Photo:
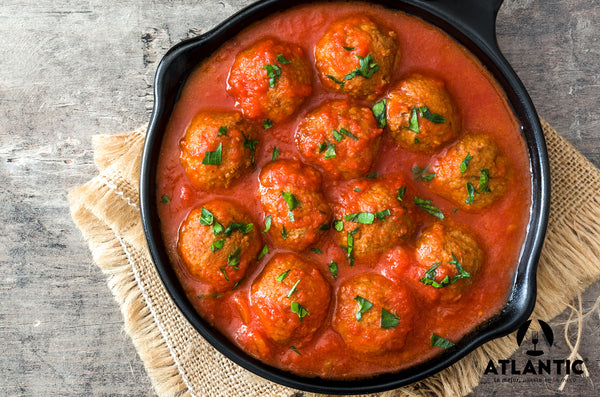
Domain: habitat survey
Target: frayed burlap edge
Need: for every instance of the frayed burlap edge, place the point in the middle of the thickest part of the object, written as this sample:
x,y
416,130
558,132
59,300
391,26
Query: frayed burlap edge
x,y
106,210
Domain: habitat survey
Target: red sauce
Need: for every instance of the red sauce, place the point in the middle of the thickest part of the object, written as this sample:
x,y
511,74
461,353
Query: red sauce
x,y
500,229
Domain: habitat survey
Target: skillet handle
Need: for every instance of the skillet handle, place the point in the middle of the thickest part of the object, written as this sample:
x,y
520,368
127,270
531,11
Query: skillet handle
x,y
475,16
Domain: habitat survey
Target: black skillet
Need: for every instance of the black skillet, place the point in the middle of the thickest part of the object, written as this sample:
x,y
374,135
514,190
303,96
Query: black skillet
x,y
469,22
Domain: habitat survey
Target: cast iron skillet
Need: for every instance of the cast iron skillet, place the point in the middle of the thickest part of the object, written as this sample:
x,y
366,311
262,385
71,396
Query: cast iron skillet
x,y
472,24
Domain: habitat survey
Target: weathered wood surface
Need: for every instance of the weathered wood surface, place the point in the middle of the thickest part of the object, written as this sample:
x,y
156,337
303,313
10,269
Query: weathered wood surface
x,y
70,70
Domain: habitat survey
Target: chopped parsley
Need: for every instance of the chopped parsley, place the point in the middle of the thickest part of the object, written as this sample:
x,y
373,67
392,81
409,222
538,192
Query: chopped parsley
x,y
244,228
292,348
426,206
283,275
206,217
282,59
348,134
413,122
471,193
250,144
267,124
299,310
401,193
379,112
333,269
484,179
165,199
423,111
264,252
234,258
349,48
217,228
356,189
293,289
438,341
222,131
238,283
283,232
363,306
367,217
465,163
420,173
217,245
338,137
213,158
268,221
388,320
341,83
367,68
433,117
316,250
224,273
275,153
328,148
338,225
429,278
372,176
273,73
292,203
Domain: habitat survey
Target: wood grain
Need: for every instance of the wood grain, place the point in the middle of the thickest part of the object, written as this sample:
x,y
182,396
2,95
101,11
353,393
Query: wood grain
x,y
70,70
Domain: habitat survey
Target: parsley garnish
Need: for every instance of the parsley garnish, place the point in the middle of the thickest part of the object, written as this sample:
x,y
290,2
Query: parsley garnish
x,y
484,179
275,154
426,206
234,258
338,137
333,269
379,112
292,348
348,134
206,217
471,192
361,217
316,250
293,289
282,59
217,228
363,306
366,69
330,152
338,225
165,199
244,228
341,83
423,111
372,175
283,232
267,124
401,193
299,310
388,320
283,275
433,117
465,163
264,252
217,245
438,341
356,190
224,274
238,283
251,145
273,73
213,158
413,122
292,203
349,48
222,131
420,173
429,278
267,223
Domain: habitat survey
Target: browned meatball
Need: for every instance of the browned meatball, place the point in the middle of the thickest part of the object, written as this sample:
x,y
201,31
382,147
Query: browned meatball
x,y
291,299
357,56
270,79
421,114
473,173
215,150
450,257
369,219
291,197
217,242
373,314
340,137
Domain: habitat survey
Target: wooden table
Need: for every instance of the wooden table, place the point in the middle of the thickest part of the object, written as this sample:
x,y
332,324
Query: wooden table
x,y
70,70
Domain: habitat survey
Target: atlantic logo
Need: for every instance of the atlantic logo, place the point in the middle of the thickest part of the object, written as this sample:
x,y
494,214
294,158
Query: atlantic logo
x,y
535,367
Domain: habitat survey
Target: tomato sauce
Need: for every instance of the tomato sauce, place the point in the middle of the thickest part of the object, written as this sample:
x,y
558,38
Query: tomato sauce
x,y
500,229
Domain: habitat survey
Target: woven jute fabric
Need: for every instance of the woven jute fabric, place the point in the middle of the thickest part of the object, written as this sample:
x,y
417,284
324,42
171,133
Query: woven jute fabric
x,y
181,363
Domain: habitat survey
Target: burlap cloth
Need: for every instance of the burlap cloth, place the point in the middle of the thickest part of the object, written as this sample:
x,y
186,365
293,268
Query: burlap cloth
x,y
180,362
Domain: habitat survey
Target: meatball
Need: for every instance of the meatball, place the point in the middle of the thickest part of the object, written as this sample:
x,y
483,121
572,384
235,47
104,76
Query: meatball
x,y
217,242
450,257
473,173
290,194
340,137
270,79
369,218
215,150
357,56
373,314
421,115
291,299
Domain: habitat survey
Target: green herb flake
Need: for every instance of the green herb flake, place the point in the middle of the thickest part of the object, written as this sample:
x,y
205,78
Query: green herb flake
x,y
344,131
429,278
330,152
465,163
363,306
238,283
367,68
291,291
420,173
338,137
206,217
213,158
292,348
234,258
275,154
165,199
456,210
265,251
338,225
222,131
484,179
433,117
401,193
267,124
224,273
426,206
299,310
273,73
388,320
251,145
341,83
268,221
316,250
325,226
372,176
382,214
283,275
244,228
413,121
217,245
356,190
471,193
379,112
217,228
333,269
349,48
361,217
281,59
292,203
283,232
438,341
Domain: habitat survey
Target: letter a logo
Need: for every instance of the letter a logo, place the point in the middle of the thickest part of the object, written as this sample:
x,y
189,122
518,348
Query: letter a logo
x,y
546,331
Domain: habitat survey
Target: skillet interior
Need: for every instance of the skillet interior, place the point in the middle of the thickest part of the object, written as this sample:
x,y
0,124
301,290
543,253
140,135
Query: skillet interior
x,y
471,23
